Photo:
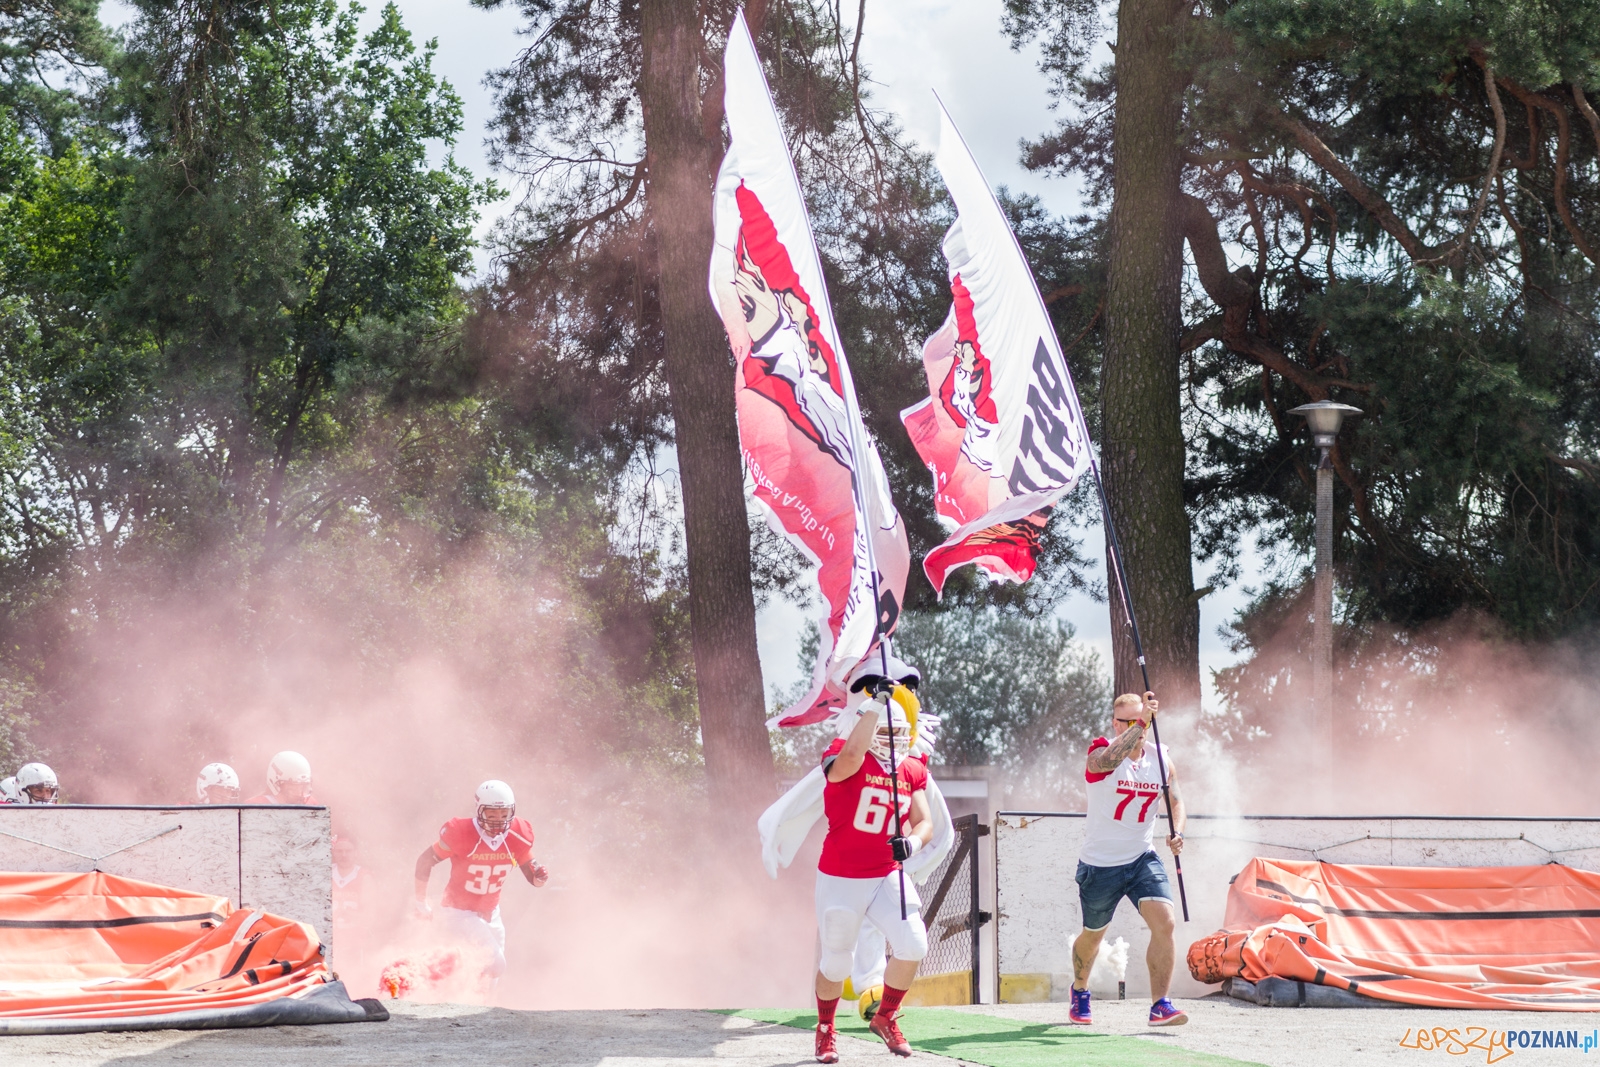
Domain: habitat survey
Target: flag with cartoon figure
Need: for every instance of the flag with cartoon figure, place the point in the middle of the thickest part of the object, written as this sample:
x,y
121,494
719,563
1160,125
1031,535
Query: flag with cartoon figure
x,y
813,467
1001,430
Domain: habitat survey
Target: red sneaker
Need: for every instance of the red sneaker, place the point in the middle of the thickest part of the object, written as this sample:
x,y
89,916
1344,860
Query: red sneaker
x,y
827,1044
886,1028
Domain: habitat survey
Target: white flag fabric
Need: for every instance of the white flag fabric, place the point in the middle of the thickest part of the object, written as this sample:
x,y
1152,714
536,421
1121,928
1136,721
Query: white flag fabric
x,y
814,468
1002,430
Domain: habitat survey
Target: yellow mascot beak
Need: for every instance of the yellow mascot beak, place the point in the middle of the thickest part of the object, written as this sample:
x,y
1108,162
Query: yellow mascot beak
x,y
909,704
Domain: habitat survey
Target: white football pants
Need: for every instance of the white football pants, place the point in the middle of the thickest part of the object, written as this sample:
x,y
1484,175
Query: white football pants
x,y
844,904
488,935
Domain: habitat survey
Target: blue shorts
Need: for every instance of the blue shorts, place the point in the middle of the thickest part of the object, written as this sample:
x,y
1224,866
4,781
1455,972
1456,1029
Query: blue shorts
x,y
1101,889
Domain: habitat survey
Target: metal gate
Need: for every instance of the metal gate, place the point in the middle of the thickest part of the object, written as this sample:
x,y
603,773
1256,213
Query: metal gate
x,y
954,921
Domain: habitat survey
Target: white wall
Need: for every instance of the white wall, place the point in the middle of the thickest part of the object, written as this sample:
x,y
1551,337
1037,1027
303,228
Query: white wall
x,y
1036,859
275,858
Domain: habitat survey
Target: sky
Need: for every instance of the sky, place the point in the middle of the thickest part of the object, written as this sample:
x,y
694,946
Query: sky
x,y
912,49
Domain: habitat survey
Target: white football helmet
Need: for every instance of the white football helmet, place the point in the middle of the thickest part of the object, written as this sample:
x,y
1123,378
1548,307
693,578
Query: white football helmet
x,y
902,725
9,793
217,784
37,784
289,777
497,805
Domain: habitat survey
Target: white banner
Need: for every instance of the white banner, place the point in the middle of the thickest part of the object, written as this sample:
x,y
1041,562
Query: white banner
x,y
1001,430
815,470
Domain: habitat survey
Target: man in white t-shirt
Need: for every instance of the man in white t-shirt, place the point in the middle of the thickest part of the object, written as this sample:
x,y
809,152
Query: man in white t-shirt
x,y
1118,860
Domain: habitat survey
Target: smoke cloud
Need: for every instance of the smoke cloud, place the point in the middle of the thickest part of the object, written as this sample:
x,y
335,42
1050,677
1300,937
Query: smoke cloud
x,y
405,686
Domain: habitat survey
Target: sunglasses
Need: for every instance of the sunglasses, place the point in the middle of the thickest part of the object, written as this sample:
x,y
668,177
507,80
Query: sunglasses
x,y
1128,722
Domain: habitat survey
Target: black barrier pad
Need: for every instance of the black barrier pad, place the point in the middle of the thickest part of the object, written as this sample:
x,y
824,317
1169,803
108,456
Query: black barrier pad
x,y
328,1003
1274,992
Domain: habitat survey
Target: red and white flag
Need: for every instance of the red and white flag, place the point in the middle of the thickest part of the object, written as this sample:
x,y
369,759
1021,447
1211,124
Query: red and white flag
x,y
1001,429
815,470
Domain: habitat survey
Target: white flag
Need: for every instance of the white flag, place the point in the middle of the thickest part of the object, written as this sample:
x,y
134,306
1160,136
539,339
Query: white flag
x,y
815,470
1001,429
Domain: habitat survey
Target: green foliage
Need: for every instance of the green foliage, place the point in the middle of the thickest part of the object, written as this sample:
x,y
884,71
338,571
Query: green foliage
x,y
1394,270
1010,690
49,53
238,371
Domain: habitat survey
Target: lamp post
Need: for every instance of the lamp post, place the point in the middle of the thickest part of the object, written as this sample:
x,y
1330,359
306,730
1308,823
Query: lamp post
x,y
1325,418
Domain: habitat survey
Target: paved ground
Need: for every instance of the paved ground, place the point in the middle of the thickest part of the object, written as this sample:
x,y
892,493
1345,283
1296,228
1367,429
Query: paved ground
x,y
443,1035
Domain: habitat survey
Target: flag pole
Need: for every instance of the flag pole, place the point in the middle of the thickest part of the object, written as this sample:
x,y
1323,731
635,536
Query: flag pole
x,y
1114,559
858,446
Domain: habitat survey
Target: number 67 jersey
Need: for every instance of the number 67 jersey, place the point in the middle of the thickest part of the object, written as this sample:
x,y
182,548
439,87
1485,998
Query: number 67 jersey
x,y
1123,806
479,866
860,816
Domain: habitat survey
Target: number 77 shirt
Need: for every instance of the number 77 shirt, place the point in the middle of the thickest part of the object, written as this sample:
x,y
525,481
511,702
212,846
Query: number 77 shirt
x,y
860,819
479,866
1123,805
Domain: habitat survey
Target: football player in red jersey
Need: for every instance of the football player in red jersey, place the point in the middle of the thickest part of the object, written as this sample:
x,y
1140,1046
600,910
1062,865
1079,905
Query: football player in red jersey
x,y
482,851
858,876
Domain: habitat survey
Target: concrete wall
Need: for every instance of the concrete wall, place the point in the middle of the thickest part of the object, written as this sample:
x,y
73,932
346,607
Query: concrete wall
x,y
1036,859
277,858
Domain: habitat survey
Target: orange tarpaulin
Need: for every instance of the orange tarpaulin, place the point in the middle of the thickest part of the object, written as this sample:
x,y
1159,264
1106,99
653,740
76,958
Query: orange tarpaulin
x,y
1458,937
94,951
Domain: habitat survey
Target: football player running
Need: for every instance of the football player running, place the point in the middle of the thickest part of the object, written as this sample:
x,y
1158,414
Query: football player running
x,y
36,784
288,781
482,851
217,784
859,878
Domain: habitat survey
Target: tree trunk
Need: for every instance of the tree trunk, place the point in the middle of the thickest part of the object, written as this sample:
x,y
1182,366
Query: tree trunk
x,y
1142,441
680,162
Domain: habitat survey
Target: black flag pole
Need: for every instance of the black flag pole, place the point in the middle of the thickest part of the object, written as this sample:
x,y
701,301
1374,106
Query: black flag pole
x,y
1114,560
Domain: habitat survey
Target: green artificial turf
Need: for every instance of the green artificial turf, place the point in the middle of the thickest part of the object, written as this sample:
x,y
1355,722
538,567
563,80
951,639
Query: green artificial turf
x,y
997,1042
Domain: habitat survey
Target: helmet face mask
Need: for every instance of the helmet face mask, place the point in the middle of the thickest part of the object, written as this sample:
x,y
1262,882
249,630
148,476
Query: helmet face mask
x,y
41,794
495,820
497,805
900,720
902,742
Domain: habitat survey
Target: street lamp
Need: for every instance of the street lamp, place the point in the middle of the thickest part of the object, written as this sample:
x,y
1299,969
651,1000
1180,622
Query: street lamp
x,y
1325,418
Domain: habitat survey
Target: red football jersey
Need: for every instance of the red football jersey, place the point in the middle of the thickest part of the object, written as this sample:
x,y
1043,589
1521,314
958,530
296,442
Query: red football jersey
x,y
478,869
860,820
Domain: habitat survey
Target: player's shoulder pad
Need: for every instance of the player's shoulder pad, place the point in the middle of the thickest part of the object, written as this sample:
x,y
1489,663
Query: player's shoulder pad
x,y
522,828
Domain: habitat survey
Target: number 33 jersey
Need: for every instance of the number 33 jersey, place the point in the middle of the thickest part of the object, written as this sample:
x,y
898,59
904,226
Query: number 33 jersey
x,y
1123,805
860,820
479,866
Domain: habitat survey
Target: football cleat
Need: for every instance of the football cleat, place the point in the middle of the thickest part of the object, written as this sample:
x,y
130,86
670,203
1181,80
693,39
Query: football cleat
x,y
1162,1013
1079,1012
827,1044
886,1028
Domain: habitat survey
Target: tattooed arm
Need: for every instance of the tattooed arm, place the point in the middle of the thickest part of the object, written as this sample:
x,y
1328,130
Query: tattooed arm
x,y
1105,760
